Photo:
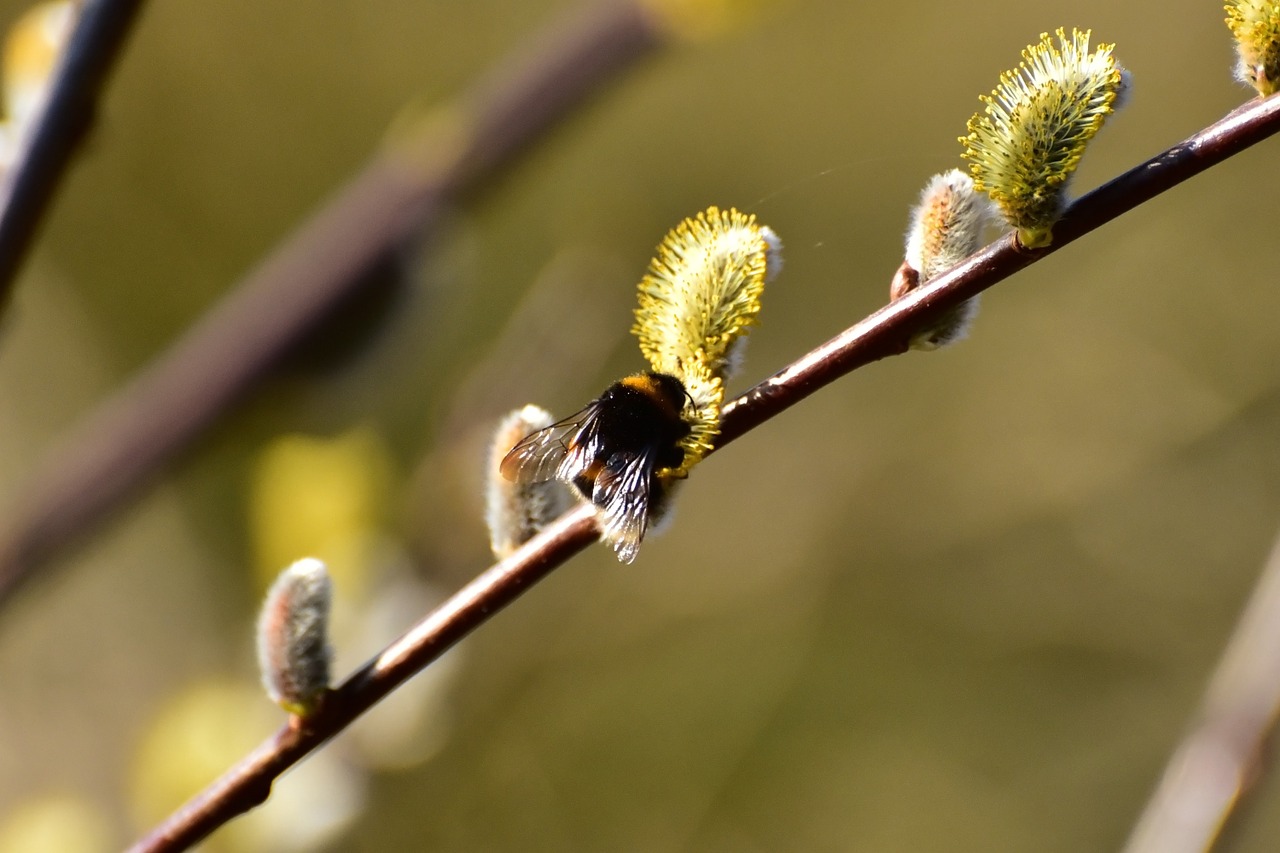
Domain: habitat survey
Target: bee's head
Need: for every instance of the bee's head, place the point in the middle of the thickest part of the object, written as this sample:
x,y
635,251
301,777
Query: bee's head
x,y
669,389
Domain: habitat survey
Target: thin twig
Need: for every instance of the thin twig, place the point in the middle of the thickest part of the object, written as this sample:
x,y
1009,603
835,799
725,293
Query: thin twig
x,y
1221,757
884,333
404,189
95,45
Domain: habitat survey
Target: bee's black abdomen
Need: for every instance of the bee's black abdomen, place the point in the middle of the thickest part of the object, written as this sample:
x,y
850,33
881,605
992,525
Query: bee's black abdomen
x,y
643,412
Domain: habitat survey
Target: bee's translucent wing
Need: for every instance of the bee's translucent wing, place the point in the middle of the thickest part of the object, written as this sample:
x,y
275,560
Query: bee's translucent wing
x,y
538,456
622,494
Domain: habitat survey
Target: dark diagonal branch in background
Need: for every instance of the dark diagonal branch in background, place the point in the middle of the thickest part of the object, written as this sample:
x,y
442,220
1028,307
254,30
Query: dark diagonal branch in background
x,y
402,190
95,44
1222,756
882,334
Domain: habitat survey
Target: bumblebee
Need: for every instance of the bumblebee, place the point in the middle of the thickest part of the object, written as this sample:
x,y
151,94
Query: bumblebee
x,y
621,452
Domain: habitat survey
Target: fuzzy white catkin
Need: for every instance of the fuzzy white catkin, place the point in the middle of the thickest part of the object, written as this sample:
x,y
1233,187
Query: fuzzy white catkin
x,y
515,512
293,637
946,227
947,224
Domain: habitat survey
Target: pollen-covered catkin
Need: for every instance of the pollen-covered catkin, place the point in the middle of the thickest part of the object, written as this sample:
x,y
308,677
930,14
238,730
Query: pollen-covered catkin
x,y
1028,140
1255,24
699,298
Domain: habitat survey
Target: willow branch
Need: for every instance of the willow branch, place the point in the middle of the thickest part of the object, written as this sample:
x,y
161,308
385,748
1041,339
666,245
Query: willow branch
x,y
1221,757
887,331
96,42
884,333
403,190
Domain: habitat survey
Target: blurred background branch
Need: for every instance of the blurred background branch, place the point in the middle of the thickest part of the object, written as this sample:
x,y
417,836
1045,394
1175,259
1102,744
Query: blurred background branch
x,y
65,121
404,190
1226,752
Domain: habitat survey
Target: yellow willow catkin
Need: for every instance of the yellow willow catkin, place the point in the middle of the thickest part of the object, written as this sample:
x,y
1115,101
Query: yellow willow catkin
x,y
1256,27
1024,146
699,297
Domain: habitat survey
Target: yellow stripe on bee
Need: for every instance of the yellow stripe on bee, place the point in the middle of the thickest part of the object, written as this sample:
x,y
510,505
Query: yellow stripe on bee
x,y
642,382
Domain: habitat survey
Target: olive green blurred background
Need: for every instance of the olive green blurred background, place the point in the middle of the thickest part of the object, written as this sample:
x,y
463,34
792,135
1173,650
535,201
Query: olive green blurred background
x,y
959,601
